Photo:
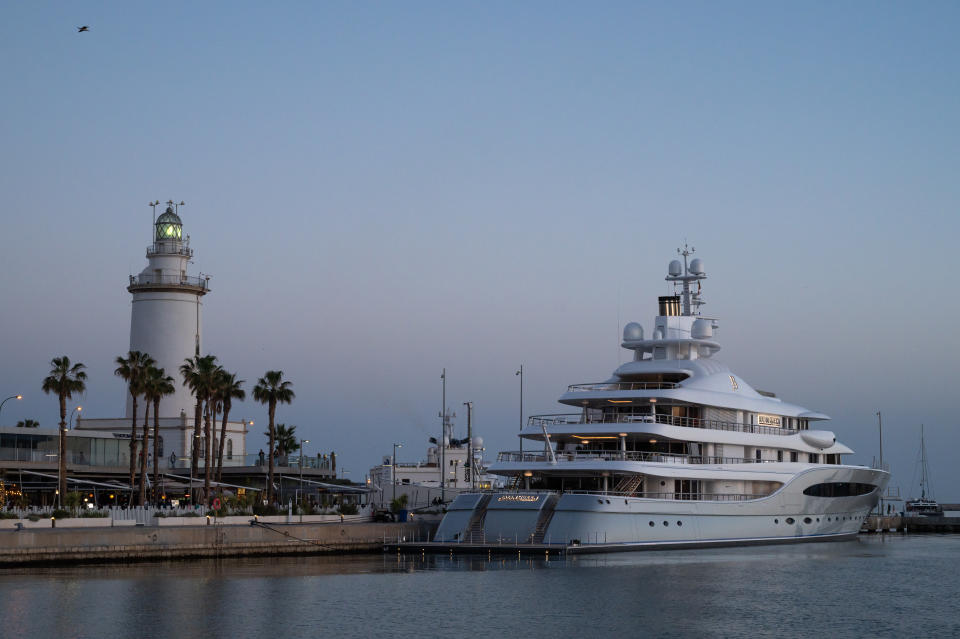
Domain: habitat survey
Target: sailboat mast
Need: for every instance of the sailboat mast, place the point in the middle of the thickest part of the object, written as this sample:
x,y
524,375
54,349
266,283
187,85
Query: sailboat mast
x,y
923,466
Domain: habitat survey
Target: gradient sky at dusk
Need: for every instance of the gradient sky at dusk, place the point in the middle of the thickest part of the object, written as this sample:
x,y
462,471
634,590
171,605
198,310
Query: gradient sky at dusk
x,y
381,190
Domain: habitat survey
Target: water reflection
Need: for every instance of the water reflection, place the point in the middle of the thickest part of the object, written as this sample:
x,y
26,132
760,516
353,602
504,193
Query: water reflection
x,y
812,588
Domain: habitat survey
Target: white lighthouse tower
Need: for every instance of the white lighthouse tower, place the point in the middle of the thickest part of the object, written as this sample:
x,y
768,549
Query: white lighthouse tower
x,y
165,321
166,324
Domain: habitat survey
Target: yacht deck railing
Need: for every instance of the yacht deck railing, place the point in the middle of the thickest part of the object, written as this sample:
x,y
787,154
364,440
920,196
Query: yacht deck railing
x,y
620,455
685,496
620,386
639,418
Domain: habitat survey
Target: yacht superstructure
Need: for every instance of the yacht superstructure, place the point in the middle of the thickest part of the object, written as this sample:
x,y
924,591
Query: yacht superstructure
x,y
674,449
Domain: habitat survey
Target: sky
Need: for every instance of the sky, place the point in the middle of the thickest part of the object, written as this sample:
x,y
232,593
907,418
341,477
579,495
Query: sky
x,y
383,190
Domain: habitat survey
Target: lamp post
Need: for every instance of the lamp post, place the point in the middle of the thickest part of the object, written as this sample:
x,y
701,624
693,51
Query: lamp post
x,y
394,473
8,399
469,464
880,426
57,491
75,412
302,442
520,373
192,448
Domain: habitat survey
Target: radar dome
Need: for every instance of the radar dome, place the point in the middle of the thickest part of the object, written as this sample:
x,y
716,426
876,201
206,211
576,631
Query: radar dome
x,y
675,268
478,442
701,329
818,438
632,332
696,266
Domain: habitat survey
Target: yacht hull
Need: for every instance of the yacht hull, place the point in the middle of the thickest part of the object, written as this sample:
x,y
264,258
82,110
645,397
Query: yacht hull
x,y
605,522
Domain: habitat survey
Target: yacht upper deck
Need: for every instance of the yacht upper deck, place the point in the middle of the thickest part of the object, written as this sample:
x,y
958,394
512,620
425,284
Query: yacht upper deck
x,y
640,418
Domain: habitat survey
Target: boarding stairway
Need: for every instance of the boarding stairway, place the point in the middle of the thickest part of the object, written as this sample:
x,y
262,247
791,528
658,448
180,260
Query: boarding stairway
x,y
628,485
474,534
546,515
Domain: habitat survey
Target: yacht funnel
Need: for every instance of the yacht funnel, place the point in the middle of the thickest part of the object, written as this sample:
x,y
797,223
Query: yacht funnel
x,y
669,305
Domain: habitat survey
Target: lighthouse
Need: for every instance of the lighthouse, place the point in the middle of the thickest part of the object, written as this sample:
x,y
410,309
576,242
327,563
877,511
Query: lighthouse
x,y
166,316
166,323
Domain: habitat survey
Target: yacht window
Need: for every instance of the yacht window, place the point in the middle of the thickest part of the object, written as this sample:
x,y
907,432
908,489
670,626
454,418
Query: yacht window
x,y
659,352
779,455
793,455
813,458
789,520
758,454
839,489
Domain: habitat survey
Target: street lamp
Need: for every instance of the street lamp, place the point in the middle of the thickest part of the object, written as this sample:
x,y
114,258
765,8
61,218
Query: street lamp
x,y
57,492
519,373
302,442
190,459
394,477
76,412
8,399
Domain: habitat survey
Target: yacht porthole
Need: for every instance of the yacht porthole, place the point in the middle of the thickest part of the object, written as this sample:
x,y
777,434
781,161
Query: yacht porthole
x,y
807,520
651,524
818,520
789,520
608,501
666,524
679,523
599,501
776,521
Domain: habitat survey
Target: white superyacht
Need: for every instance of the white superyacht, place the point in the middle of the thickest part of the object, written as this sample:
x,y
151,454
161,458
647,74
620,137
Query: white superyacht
x,y
674,450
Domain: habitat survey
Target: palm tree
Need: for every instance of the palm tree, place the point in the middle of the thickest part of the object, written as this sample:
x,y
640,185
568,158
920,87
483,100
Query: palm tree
x,y
286,440
132,369
157,385
28,423
197,373
64,381
229,388
270,390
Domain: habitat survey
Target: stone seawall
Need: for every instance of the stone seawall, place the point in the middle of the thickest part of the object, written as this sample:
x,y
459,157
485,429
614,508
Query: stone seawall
x,y
147,543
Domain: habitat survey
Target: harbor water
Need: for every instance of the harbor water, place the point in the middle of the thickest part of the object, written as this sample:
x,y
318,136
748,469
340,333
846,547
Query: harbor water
x,y
879,585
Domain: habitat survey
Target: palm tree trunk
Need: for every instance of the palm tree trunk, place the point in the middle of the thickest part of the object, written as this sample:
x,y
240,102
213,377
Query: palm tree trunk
x,y
223,436
195,446
156,449
273,439
133,449
62,455
208,454
143,452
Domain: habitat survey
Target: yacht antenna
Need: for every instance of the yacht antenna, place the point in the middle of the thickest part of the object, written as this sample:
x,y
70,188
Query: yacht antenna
x,y
692,272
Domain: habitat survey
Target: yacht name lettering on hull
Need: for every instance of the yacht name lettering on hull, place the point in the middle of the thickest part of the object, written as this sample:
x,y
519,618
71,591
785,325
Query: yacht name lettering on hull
x,y
768,420
518,498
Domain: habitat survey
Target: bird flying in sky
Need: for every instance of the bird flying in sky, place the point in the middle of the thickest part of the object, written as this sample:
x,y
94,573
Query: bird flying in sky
x,y
82,29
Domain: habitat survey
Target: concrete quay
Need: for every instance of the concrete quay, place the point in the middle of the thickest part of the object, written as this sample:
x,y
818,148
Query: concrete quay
x,y
150,543
886,523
